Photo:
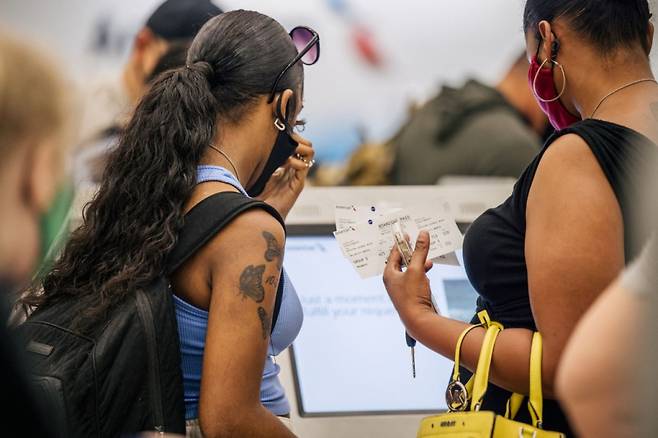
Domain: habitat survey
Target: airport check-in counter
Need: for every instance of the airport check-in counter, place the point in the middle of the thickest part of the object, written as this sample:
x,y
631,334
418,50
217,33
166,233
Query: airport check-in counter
x,y
349,372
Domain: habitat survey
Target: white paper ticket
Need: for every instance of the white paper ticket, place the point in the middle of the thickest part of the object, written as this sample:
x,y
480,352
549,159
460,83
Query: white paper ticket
x,y
359,250
365,234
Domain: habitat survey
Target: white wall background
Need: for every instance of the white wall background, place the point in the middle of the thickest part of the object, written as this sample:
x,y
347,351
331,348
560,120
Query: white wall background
x,y
424,43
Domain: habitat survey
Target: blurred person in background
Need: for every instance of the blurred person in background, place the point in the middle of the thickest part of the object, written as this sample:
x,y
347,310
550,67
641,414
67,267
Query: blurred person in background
x,y
34,129
476,130
649,396
221,124
109,102
609,388
89,162
160,45
542,258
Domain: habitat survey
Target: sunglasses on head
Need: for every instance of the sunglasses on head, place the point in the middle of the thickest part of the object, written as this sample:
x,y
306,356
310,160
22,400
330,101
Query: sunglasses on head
x,y
307,42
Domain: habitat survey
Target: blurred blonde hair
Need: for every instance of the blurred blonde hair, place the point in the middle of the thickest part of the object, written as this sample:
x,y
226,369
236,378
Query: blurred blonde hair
x,y
35,107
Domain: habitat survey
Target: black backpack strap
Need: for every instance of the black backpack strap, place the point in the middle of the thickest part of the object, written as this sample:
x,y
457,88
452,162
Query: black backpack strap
x,y
206,219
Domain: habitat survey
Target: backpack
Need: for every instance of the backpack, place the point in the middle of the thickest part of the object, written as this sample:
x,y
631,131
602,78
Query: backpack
x,y
126,376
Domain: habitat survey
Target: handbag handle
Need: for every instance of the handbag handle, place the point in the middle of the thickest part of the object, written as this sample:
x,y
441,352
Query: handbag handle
x,y
484,364
536,399
457,394
478,384
514,404
485,321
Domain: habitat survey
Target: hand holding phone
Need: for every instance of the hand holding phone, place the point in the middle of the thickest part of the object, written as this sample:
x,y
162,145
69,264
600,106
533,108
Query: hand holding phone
x,y
402,244
404,248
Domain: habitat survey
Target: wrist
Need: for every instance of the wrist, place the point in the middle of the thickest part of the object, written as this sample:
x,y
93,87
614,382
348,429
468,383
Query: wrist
x,y
413,315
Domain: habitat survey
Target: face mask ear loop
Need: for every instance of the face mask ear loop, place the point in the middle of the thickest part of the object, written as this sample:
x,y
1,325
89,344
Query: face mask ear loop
x,y
280,122
564,82
279,125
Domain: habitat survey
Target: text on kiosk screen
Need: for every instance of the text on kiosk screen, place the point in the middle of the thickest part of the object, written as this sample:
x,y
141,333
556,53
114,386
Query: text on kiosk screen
x,y
351,356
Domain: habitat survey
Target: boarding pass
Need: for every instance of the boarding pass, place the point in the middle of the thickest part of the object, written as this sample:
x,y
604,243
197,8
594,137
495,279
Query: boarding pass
x,y
365,234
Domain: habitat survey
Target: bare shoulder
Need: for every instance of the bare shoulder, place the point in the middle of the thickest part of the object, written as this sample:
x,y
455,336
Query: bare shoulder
x,y
569,174
257,221
572,204
569,153
249,233
572,210
252,237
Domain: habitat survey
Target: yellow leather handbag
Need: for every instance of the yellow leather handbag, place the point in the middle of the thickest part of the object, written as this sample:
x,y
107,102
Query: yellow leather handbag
x,y
465,420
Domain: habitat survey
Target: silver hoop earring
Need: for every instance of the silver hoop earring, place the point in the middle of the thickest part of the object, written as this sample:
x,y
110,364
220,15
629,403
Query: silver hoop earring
x,y
279,124
564,82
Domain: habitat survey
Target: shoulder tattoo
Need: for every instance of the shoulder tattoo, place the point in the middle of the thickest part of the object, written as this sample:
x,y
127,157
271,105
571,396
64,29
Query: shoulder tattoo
x,y
264,321
273,251
251,283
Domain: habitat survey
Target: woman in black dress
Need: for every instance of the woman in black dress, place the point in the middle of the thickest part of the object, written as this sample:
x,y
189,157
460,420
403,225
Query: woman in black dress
x,y
539,260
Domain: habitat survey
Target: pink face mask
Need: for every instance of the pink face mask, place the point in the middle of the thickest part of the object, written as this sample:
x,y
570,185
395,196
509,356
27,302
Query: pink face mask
x,y
543,87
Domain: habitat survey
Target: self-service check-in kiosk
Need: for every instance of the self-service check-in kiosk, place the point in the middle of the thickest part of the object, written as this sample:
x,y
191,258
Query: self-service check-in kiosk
x,y
349,372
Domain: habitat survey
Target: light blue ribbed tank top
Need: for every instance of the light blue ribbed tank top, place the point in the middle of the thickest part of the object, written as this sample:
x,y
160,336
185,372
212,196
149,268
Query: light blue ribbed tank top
x,y
193,323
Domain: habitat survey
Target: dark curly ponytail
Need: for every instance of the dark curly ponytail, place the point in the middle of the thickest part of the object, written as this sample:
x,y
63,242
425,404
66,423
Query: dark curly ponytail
x,y
132,223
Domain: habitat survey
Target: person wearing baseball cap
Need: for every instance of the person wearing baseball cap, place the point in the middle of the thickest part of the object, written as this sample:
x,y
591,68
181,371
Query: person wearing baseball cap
x,y
109,102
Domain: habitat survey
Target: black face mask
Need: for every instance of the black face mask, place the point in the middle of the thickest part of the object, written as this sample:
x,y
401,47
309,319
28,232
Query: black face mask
x,y
284,147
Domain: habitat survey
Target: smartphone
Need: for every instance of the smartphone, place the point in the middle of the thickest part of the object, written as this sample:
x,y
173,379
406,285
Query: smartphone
x,y
404,248
403,245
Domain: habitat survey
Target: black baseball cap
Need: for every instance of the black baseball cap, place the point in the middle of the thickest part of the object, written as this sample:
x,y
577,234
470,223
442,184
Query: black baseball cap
x,y
181,19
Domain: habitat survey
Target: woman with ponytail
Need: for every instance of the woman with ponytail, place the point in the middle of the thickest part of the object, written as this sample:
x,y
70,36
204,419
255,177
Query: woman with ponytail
x,y
222,123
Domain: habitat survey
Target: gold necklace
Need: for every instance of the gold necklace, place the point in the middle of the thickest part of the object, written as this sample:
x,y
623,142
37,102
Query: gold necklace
x,y
235,169
623,87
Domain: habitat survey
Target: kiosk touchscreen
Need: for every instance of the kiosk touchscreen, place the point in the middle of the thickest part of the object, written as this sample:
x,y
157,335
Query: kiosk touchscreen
x,y
351,357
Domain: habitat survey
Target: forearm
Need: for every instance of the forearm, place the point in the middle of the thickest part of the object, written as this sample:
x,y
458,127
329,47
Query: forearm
x,y
511,360
237,422
410,293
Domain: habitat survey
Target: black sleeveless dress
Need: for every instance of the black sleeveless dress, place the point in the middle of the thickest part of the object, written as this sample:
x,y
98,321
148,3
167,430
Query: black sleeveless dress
x,y
494,254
